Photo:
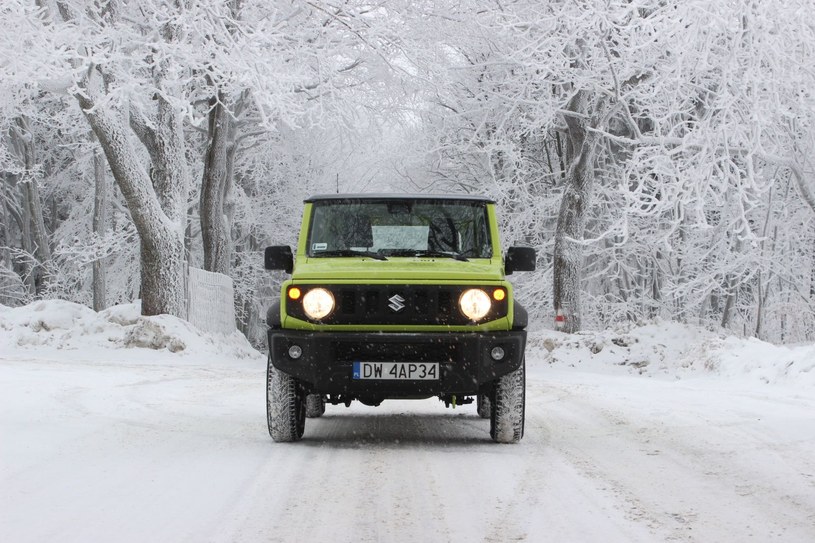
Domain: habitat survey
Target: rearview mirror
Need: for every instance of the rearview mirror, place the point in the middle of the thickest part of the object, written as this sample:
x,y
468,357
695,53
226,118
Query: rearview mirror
x,y
519,259
278,257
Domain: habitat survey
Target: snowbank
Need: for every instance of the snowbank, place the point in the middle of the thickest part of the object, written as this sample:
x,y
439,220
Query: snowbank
x,y
659,349
675,350
66,326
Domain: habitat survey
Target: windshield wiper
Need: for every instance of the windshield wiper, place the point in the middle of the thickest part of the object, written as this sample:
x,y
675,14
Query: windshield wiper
x,y
431,254
351,252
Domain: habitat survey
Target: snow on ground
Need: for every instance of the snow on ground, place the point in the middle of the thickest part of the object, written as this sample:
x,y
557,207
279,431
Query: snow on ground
x,y
66,327
123,428
673,350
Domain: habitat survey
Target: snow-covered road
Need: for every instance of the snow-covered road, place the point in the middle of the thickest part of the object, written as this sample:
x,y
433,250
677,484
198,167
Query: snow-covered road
x,y
97,449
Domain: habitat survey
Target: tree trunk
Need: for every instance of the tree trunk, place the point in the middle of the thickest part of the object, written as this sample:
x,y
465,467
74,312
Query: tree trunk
x,y
216,187
727,313
568,251
163,266
31,186
157,207
35,236
732,292
26,240
760,300
5,242
100,213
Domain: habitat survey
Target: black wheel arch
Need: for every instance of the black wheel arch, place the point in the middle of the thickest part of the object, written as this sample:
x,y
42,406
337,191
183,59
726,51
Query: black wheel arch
x,y
520,317
273,315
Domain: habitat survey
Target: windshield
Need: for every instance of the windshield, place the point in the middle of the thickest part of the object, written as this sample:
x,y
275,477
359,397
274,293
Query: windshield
x,y
399,228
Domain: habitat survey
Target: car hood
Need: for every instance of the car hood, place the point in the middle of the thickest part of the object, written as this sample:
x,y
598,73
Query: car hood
x,y
396,269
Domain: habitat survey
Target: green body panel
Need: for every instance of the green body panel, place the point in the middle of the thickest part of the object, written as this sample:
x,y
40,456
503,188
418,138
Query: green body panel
x,y
397,271
290,323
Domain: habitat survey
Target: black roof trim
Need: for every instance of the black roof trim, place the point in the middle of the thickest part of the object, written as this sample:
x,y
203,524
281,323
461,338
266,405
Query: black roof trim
x,y
398,196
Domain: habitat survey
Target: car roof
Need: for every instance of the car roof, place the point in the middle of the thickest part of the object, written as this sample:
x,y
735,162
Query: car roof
x,y
399,196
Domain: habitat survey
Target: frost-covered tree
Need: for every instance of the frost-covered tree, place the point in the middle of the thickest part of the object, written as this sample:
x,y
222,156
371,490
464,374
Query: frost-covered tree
x,y
119,63
669,119
138,73
657,152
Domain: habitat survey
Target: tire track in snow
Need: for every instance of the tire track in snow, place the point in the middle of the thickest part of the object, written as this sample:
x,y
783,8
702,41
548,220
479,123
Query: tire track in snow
x,y
549,494
581,434
365,475
680,472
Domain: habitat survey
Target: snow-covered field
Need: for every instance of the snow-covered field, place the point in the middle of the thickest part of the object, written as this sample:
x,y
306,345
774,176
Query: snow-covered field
x,y
119,428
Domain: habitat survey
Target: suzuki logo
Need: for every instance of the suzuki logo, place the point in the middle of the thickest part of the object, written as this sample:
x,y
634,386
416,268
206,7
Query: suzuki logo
x,y
396,304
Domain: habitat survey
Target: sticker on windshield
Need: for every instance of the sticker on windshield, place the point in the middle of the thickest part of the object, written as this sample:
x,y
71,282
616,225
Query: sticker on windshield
x,y
319,246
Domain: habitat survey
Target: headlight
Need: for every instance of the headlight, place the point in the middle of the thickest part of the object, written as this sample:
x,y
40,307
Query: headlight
x,y
474,303
318,303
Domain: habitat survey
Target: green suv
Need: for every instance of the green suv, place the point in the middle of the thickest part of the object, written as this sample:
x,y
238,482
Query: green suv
x,y
397,296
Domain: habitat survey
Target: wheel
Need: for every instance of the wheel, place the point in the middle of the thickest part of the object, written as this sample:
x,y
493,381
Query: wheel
x,y
285,406
508,406
483,405
315,405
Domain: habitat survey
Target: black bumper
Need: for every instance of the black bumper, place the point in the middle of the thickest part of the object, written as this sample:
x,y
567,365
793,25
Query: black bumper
x,y
465,364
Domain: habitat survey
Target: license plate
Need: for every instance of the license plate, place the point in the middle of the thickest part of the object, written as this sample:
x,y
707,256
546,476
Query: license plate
x,y
401,371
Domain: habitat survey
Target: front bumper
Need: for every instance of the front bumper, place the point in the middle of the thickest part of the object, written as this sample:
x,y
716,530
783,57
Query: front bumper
x,y
465,364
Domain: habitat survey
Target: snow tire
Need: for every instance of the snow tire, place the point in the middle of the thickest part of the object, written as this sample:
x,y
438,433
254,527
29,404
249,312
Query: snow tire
x,y
509,406
483,405
315,405
285,406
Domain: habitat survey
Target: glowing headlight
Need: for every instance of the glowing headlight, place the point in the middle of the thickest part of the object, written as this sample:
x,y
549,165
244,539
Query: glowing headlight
x,y
474,303
318,303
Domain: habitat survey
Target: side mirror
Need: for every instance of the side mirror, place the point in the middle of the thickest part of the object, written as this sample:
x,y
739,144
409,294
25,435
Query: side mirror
x,y
519,259
278,257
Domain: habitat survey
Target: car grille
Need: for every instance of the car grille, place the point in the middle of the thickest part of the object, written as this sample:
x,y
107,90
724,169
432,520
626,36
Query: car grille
x,y
398,305
396,352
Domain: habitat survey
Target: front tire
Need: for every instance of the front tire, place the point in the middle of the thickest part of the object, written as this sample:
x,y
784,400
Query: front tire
x,y
509,406
285,406
315,405
483,405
